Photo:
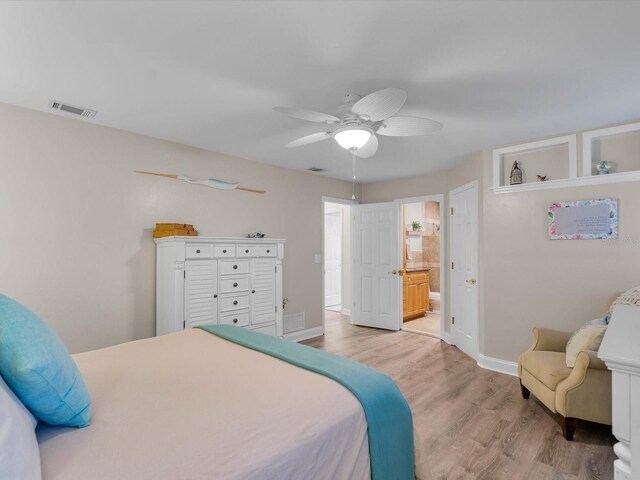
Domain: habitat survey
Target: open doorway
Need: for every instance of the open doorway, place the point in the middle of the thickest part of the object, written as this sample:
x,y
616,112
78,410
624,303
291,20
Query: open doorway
x,y
422,256
336,258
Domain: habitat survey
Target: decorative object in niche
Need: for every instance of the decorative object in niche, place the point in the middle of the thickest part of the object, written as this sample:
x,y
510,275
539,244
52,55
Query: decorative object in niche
x,y
415,226
515,178
583,219
593,143
542,178
209,182
603,167
564,171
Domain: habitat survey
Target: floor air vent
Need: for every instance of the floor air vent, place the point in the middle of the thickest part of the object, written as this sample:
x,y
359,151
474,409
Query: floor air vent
x,y
316,169
83,112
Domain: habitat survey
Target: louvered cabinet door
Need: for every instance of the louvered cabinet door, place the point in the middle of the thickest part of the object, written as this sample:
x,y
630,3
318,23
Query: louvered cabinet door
x,y
263,290
200,293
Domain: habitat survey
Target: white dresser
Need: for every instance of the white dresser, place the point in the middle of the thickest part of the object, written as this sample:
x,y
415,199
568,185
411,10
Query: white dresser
x,y
620,350
219,280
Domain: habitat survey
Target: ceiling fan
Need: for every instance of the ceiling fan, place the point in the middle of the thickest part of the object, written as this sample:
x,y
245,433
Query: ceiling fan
x,y
359,119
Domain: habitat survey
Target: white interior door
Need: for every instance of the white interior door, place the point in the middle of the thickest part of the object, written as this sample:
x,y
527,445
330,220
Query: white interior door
x,y
333,259
464,274
376,288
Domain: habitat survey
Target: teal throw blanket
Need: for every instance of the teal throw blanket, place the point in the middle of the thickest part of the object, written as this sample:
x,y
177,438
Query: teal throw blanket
x,y
388,414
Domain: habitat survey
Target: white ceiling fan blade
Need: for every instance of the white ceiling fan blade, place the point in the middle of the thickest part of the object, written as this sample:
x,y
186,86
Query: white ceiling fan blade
x,y
381,104
407,126
369,149
308,115
306,140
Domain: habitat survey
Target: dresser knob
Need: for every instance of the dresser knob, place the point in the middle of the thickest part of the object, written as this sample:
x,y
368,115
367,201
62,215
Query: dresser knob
x,y
246,251
253,291
235,284
224,251
198,251
235,302
215,295
268,250
235,320
235,267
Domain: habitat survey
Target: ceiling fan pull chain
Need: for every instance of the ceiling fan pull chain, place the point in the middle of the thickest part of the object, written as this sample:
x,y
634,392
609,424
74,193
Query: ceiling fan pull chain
x,y
353,183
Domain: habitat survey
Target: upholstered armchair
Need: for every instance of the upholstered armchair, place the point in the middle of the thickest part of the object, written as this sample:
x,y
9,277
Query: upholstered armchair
x,y
583,391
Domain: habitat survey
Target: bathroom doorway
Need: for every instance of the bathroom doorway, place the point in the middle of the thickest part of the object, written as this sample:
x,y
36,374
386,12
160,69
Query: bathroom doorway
x,y
423,264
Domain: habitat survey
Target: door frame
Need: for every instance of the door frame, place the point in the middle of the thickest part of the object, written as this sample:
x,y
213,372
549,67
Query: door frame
x,y
476,307
340,201
439,197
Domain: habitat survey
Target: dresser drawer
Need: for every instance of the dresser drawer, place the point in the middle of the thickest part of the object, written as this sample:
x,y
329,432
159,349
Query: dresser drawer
x,y
233,285
198,251
221,251
247,250
234,302
267,250
240,319
232,267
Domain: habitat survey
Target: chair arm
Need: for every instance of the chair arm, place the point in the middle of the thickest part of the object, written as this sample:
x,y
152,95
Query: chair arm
x,y
594,361
549,340
586,392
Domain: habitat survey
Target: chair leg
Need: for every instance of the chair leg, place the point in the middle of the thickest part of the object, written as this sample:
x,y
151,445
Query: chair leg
x,y
568,425
525,391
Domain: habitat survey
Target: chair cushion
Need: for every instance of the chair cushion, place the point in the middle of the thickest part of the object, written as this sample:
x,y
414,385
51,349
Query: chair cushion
x,y
550,368
587,337
37,367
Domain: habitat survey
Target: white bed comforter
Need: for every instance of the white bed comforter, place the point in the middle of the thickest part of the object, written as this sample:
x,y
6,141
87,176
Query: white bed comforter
x,y
190,405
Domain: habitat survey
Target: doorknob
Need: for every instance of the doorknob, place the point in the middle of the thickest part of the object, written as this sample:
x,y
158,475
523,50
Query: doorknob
x,y
397,272
471,280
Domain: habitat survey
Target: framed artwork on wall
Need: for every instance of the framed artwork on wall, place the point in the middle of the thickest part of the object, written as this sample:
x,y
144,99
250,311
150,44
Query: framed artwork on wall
x,y
583,219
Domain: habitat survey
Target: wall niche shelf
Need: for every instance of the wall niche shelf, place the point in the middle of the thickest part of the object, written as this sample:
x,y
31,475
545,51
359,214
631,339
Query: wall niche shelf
x,y
569,161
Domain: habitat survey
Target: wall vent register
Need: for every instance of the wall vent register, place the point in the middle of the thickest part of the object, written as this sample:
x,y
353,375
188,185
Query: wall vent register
x,y
65,107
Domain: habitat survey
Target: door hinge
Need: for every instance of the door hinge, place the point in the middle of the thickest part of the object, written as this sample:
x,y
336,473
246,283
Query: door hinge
x,y
452,266
275,269
451,210
276,307
184,324
453,320
184,274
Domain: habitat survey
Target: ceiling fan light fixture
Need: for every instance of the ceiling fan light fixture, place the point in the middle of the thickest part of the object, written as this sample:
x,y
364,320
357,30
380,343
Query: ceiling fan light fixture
x,y
352,137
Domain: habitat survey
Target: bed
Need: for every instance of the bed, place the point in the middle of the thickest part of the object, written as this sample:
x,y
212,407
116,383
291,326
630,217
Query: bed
x,y
192,405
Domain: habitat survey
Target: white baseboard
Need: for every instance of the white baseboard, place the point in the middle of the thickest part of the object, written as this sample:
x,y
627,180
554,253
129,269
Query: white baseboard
x,y
498,365
304,334
434,296
346,311
446,337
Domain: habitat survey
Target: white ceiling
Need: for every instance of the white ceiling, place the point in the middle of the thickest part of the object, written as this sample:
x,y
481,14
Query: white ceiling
x,y
208,73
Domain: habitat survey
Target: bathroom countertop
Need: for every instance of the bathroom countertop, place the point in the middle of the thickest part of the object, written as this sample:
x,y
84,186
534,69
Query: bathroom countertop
x,y
418,267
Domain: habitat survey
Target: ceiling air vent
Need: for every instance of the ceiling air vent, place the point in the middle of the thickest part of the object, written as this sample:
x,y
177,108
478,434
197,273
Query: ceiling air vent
x,y
83,112
316,169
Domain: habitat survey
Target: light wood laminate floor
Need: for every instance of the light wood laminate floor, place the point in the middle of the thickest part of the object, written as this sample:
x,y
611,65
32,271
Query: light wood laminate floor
x,y
472,423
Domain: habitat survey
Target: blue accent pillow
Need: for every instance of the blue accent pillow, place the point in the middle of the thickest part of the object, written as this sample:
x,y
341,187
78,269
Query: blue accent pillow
x,y
37,366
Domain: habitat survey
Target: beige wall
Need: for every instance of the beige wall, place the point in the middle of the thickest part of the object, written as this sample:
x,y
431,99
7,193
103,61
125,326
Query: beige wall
x,y
529,280
76,236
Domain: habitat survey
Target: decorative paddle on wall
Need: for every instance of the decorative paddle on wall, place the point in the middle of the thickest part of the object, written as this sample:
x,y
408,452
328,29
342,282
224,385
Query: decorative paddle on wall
x,y
210,182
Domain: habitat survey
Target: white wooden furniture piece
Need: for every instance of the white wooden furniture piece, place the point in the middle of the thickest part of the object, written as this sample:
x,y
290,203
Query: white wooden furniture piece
x,y
620,351
219,280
